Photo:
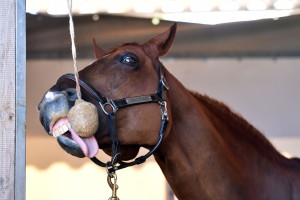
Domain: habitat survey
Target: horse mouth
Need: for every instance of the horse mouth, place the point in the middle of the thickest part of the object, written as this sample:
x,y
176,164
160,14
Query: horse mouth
x,y
71,142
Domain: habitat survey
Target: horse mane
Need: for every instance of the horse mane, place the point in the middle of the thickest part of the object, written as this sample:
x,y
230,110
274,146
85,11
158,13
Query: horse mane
x,y
251,134
223,109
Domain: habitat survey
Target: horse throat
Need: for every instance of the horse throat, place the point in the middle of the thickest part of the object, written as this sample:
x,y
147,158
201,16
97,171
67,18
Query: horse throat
x,y
211,152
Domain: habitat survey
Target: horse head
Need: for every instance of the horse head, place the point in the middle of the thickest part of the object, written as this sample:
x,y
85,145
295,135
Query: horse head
x,y
127,71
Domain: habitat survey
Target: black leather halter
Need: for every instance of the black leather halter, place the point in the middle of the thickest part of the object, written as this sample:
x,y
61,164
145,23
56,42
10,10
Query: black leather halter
x,y
158,97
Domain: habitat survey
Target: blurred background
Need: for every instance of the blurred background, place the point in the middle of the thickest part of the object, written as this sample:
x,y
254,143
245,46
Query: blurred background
x,y
245,53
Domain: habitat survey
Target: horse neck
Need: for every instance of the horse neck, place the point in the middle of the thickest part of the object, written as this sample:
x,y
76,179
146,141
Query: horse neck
x,y
210,151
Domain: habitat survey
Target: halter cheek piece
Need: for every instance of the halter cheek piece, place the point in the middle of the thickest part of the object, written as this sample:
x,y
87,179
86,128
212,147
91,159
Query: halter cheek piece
x,y
159,97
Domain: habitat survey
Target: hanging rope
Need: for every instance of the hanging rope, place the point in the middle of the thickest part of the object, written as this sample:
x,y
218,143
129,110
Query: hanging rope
x,y
72,34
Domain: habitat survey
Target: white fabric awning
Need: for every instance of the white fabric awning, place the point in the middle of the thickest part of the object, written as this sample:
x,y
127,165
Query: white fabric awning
x,y
192,11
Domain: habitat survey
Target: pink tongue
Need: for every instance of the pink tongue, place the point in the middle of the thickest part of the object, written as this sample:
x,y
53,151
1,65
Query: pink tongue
x,y
89,146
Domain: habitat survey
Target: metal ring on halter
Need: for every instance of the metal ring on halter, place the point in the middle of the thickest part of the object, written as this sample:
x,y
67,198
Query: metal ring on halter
x,y
110,169
111,104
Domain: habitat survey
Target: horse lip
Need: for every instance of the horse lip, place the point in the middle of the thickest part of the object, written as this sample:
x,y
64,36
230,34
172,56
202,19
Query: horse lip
x,y
70,146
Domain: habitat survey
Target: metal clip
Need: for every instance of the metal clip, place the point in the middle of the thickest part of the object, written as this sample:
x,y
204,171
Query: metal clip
x,y
113,186
163,109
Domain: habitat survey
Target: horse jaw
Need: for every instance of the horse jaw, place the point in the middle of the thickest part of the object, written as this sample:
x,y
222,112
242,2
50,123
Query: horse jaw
x,y
126,152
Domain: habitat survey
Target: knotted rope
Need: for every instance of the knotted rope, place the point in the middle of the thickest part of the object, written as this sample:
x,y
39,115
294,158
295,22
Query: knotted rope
x,y
72,34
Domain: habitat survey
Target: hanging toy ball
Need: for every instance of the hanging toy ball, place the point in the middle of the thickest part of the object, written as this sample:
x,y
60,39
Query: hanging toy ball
x,y
83,117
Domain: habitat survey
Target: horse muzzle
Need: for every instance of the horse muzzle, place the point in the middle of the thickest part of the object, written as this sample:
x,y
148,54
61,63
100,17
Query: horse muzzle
x,y
54,109
54,105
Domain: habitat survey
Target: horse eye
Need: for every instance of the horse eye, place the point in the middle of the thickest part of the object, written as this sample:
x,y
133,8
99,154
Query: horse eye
x,y
129,60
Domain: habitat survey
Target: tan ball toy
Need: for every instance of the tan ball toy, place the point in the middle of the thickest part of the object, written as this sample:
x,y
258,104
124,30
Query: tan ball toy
x,y
83,117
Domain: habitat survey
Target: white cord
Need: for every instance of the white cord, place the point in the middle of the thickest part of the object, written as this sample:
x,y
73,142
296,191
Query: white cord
x,y
72,34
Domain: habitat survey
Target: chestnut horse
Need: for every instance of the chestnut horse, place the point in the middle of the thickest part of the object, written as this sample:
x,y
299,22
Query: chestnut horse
x,y
208,152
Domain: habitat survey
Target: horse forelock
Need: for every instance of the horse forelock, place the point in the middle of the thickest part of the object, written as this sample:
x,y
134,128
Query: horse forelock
x,y
130,43
114,49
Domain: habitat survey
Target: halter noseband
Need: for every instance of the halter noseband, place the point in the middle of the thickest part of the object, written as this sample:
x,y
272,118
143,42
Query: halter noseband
x,y
159,97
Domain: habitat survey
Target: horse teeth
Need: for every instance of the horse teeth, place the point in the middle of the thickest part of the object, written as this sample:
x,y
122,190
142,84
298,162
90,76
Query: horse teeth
x,y
60,130
55,133
65,128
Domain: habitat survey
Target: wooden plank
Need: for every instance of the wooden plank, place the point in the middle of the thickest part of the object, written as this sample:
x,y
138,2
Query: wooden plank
x,y
7,100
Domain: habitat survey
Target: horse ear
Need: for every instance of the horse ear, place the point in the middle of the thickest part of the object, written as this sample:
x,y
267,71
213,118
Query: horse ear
x,y
160,44
98,52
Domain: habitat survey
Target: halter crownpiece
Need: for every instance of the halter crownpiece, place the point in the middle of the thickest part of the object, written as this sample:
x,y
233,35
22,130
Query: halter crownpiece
x,y
158,97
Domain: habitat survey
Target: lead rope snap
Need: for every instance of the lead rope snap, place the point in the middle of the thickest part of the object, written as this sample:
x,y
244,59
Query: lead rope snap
x,y
113,185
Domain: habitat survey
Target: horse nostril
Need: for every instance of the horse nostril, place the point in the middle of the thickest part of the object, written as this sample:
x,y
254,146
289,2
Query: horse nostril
x,y
70,93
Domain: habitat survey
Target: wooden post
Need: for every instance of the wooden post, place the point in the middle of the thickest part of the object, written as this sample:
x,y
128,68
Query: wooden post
x,y
12,60
7,100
